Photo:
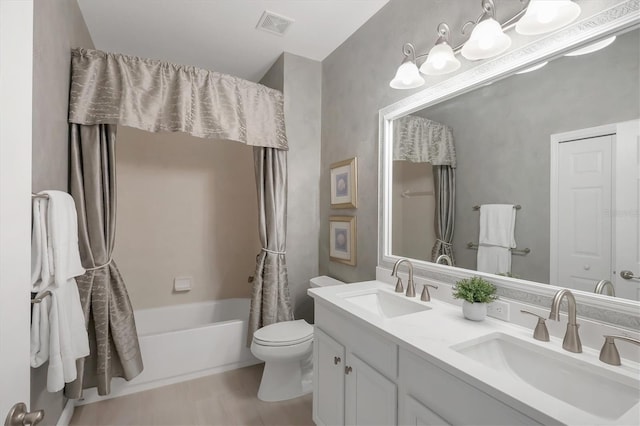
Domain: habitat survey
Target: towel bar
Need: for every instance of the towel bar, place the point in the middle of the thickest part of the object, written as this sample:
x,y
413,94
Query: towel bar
x,y
522,252
39,195
39,299
411,194
517,207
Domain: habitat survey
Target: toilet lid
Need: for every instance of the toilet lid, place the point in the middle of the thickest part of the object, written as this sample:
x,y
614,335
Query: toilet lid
x,y
284,333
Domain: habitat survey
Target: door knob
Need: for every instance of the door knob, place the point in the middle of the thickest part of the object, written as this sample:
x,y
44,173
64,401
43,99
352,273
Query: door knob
x,y
19,416
587,267
628,275
336,360
348,370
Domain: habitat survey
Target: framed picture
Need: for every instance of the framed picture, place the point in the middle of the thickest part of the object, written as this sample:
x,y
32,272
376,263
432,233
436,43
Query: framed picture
x,y
342,239
344,184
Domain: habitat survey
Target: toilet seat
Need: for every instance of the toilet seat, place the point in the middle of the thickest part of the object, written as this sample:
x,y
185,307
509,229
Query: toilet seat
x,y
285,333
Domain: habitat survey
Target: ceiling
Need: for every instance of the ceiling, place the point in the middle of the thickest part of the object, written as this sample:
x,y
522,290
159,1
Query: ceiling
x,y
221,35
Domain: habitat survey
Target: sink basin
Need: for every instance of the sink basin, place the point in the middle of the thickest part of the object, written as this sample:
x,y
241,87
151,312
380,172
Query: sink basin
x,y
386,305
591,388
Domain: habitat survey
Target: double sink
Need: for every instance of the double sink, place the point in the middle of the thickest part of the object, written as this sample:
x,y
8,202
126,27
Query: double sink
x,y
595,389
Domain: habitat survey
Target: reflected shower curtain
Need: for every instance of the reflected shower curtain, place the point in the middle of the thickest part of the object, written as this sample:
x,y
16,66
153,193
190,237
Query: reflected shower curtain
x,y
445,192
107,309
270,301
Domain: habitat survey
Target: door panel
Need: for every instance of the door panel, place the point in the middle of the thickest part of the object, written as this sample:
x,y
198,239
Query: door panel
x,y
328,380
584,212
371,398
416,414
627,211
16,58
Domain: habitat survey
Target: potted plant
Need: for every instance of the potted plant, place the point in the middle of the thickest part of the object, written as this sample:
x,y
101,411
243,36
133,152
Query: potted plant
x,y
476,293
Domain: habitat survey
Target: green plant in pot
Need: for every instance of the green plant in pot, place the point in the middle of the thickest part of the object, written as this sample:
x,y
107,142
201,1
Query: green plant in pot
x,y
476,293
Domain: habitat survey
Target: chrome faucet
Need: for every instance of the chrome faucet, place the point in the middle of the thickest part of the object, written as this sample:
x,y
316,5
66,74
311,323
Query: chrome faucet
x,y
571,340
609,353
447,260
411,287
601,286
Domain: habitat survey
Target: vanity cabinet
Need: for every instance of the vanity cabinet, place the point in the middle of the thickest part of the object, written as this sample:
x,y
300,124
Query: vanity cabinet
x,y
346,389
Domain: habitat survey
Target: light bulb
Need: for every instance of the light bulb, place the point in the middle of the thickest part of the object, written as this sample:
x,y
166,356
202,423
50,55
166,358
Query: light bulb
x,y
547,14
407,77
441,60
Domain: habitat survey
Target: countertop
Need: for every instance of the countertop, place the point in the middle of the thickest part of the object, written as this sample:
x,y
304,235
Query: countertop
x,y
431,334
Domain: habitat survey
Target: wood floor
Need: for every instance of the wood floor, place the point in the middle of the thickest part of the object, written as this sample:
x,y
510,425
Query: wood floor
x,y
223,399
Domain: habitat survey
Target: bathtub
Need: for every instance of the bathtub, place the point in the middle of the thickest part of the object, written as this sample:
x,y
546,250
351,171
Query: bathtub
x,y
184,342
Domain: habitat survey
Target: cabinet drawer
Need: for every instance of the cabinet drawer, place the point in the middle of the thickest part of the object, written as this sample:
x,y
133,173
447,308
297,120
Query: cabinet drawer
x,y
450,398
372,348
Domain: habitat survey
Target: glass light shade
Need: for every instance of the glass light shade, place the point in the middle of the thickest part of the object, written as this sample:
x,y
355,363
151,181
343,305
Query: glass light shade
x,y
487,40
544,16
407,77
441,60
593,47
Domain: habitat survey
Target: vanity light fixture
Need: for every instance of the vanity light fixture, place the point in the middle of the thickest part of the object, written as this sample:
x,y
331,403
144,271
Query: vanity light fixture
x,y
594,47
441,58
408,76
487,38
543,16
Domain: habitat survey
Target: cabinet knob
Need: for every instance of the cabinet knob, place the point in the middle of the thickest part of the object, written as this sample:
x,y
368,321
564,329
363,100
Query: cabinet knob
x,y
348,370
336,360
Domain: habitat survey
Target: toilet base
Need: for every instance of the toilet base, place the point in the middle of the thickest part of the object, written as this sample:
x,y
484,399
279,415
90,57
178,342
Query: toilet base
x,y
282,380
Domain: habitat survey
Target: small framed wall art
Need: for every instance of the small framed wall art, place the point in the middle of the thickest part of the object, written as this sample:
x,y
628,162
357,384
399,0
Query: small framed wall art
x,y
344,184
342,239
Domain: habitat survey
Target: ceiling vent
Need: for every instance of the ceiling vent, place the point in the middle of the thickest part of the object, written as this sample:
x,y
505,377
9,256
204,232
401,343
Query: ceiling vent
x,y
274,23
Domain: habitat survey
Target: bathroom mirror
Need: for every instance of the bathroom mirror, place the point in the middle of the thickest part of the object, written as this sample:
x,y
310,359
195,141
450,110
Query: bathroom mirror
x,y
509,133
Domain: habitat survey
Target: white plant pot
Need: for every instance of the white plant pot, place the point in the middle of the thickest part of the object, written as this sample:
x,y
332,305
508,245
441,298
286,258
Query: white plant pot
x,y
474,311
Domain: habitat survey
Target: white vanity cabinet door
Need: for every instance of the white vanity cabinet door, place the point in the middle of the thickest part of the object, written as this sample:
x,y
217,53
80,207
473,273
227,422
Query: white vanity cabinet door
x,y
370,398
328,380
412,413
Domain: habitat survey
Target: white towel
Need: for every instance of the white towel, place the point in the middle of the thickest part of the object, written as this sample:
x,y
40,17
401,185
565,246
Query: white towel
x,y
494,259
62,233
58,332
497,225
41,260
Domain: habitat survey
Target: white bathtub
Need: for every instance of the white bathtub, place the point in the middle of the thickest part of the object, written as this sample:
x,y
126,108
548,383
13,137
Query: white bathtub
x,y
184,342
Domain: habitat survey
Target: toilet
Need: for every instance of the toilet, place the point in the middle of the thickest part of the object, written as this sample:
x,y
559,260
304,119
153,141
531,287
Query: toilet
x,y
287,350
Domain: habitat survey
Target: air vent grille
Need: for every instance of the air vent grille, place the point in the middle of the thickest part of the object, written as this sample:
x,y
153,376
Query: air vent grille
x,y
274,23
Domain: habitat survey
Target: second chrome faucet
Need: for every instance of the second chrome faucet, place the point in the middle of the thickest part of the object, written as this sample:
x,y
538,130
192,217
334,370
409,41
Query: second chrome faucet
x,y
411,287
571,340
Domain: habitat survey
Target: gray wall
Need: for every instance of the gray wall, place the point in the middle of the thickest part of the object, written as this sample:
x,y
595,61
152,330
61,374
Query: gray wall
x,y
58,27
355,85
502,135
300,80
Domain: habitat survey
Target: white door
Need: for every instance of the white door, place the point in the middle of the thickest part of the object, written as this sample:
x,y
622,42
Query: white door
x,y
627,211
328,380
584,212
370,398
16,57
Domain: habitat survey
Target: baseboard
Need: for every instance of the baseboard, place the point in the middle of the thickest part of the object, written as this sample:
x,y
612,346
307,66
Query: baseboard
x,y
67,413
91,395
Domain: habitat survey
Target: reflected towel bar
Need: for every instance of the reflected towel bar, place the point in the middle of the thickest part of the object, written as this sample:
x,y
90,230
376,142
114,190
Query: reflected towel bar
x,y
41,298
517,207
411,194
38,196
522,252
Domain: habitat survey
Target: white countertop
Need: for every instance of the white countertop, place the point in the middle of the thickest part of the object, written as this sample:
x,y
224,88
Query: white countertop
x,y
430,334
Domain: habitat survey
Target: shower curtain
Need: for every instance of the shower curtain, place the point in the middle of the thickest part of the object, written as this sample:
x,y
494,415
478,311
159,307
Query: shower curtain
x,y
109,89
420,140
108,313
270,300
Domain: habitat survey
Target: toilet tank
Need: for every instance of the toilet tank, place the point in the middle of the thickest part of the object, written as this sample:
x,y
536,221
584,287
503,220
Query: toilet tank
x,y
324,281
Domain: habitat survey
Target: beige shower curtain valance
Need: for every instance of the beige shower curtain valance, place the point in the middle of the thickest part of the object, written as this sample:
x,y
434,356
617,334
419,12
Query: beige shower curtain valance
x,y
152,95
421,140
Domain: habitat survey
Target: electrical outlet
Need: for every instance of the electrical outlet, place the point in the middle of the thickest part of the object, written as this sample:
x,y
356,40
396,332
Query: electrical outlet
x,y
499,310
